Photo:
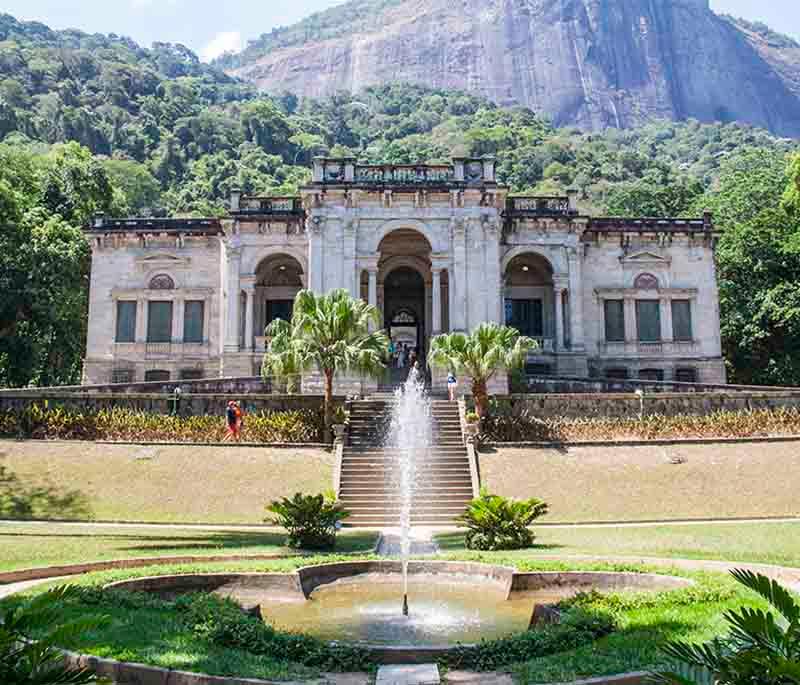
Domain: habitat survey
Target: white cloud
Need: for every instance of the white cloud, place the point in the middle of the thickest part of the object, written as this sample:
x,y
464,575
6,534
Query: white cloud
x,y
225,41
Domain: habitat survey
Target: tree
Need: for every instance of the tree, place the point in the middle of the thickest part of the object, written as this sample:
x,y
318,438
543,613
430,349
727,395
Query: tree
x,y
328,333
480,355
30,636
760,648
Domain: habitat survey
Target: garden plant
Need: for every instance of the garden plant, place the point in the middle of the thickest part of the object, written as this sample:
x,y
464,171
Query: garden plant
x,y
761,648
310,520
27,661
328,333
496,523
480,355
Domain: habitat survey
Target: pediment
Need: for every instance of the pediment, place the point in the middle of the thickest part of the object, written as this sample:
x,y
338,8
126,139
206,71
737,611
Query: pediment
x,y
648,258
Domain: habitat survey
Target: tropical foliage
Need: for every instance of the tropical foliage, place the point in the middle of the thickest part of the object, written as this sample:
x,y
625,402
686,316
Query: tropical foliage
x,y
518,422
155,131
310,520
44,422
498,523
761,647
28,661
328,333
480,355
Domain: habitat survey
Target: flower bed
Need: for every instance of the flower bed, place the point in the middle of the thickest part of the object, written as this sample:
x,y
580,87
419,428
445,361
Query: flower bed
x,y
42,422
508,425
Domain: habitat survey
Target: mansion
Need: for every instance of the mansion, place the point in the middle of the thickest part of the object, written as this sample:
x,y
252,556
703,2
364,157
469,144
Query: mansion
x,y
435,247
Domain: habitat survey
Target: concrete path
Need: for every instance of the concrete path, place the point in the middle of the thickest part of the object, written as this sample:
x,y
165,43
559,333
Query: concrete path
x,y
432,530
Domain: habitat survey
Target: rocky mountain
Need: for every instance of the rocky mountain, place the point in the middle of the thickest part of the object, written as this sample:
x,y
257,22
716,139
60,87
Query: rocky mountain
x,y
590,63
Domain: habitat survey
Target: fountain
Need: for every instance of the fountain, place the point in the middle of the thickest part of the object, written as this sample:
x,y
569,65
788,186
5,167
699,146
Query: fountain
x,y
410,437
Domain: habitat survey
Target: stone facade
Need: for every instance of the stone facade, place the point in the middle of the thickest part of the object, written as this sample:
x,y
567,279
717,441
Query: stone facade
x,y
435,248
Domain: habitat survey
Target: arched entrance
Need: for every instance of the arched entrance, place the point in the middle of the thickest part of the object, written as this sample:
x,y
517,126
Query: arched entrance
x,y
529,298
279,278
404,308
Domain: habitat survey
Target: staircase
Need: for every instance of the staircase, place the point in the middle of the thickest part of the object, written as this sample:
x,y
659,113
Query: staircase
x,y
369,475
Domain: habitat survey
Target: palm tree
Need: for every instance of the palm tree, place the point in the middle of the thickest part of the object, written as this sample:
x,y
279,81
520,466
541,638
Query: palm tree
x,y
760,648
480,355
328,333
282,361
29,637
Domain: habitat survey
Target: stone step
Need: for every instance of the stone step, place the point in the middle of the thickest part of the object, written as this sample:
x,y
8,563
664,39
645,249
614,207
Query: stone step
x,y
382,452
457,479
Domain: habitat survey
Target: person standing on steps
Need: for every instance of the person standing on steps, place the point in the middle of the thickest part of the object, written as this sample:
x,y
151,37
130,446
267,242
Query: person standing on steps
x,y
452,385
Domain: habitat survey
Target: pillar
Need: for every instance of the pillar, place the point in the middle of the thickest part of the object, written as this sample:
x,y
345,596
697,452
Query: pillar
x,y
458,313
576,302
558,295
666,319
631,334
248,317
232,298
372,289
141,320
177,320
316,261
436,304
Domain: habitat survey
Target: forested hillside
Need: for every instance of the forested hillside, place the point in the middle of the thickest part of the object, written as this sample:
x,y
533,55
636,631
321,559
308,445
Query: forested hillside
x,y
154,131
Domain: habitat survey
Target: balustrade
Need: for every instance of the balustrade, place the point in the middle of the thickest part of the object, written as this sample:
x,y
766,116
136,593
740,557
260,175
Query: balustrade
x,y
539,206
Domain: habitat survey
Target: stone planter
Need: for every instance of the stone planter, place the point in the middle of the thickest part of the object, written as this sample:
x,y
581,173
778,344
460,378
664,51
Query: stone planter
x,y
471,430
339,430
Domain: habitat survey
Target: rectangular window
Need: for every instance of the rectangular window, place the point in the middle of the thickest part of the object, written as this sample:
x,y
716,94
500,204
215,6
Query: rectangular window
x,y
122,376
193,316
616,374
279,309
126,322
156,375
651,375
159,322
527,316
682,320
191,374
648,320
615,320
686,375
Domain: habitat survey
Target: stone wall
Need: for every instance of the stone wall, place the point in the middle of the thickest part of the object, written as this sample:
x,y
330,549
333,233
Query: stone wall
x,y
189,404
626,405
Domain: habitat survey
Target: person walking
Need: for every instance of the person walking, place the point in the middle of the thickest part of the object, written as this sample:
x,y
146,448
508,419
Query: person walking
x,y
231,423
452,385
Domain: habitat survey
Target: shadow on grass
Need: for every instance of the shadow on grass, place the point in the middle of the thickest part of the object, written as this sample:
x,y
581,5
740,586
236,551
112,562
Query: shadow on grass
x,y
454,542
27,502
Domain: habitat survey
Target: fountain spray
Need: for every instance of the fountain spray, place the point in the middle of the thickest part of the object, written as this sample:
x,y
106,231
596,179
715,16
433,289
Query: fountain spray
x,y
410,436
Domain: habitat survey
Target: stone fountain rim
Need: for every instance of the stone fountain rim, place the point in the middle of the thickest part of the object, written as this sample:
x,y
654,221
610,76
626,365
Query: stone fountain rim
x,y
303,581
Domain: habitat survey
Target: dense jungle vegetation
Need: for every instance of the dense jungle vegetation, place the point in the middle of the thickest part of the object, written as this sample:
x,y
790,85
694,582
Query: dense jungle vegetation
x,y
94,123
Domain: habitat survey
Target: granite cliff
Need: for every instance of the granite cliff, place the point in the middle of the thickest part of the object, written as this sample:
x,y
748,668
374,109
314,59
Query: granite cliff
x,y
591,63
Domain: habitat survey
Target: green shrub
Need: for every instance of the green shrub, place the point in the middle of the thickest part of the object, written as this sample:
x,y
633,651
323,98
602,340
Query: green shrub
x,y
496,523
310,520
578,627
28,661
760,649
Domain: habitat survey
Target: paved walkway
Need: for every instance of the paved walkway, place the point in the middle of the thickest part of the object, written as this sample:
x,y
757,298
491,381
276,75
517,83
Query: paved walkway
x,y
99,525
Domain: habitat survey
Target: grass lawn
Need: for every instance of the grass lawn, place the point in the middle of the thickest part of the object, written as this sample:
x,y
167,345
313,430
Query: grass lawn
x,y
627,483
164,484
767,543
159,635
33,545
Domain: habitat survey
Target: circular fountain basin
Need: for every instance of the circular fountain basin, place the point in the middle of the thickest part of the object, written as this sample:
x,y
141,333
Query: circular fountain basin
x,y
450,603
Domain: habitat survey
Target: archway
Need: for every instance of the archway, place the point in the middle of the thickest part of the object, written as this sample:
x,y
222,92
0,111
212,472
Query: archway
x,y
404,308
279,278
529,297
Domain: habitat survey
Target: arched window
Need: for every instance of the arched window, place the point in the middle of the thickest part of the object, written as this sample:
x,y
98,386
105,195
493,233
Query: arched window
x,y
646,282
162,282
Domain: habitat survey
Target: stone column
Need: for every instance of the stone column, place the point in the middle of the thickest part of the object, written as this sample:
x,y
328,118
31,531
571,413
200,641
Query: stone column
x,y
666,319
177,320
576,300
558,296
436,304
316,260
233,258
350,273
458,313
631,335
249,311
141,320
372,292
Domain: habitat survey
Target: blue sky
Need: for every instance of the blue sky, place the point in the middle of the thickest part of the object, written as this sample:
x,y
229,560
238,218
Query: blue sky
x,y
212,26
